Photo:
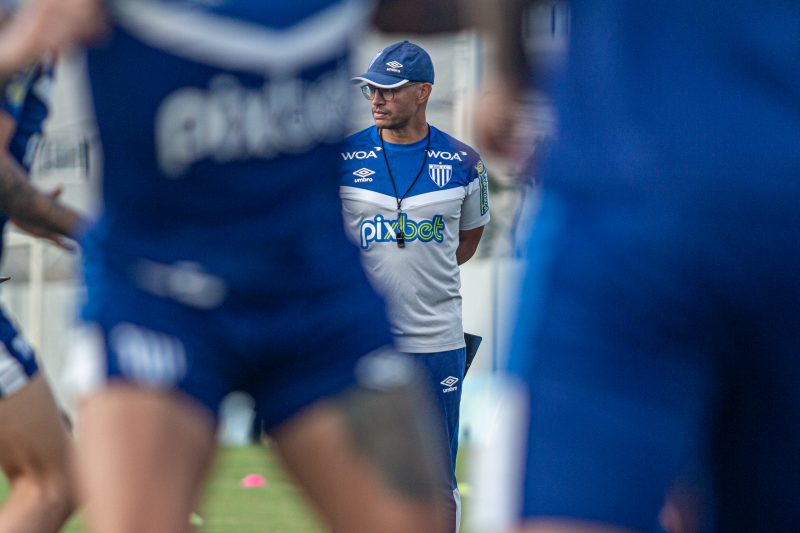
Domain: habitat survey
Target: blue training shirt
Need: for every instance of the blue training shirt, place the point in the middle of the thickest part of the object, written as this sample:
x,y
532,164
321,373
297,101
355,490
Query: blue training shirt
x,y
220,124
678,155
694,101
421,281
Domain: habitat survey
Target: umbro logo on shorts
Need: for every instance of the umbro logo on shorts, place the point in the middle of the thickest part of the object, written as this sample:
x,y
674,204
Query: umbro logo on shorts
x,y
450,383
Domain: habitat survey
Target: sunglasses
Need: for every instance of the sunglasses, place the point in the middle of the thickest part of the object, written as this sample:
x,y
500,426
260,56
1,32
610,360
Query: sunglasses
x,y
369,91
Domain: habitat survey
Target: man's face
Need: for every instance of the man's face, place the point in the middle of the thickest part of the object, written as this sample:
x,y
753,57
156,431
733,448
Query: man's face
x,y
394,108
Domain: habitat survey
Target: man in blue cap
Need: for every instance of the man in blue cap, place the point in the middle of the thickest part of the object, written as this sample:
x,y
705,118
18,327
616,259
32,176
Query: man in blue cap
x,y
415,200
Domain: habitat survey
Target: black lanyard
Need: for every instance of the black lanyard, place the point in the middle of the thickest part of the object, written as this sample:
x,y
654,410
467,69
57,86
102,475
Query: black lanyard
x,y
401,238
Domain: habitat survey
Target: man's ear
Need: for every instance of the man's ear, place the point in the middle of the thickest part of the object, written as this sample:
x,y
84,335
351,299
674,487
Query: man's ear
x,y
425,92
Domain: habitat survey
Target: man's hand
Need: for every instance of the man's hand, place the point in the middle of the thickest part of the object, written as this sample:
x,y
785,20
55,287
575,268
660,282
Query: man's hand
x,y
37,213
46,231
499,120
501,113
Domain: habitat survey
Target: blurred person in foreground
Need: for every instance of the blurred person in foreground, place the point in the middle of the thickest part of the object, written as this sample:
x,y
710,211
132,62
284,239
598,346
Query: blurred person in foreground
x,y
415,201
35,447
659,321
218,262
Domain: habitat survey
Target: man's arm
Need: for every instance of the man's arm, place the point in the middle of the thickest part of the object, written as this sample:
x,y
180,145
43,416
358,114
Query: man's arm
x,y
468,241
37,213
501,22
499,107
34,212
419,16
47,27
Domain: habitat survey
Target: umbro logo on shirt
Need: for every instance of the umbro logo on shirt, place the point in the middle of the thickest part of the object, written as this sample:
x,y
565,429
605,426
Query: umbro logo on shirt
x,y
363,175
364,172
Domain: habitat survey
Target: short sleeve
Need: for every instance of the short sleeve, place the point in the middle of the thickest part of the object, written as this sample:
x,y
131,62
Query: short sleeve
x,y
475,211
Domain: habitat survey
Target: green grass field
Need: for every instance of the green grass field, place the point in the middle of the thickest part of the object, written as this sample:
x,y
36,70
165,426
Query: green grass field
x,y
228,508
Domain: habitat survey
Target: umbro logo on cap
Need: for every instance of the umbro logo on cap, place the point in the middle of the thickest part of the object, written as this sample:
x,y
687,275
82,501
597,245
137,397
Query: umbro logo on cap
x,y
398,64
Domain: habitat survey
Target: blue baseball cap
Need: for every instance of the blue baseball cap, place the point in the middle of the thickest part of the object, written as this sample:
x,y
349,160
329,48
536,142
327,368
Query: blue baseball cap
x,y
398,64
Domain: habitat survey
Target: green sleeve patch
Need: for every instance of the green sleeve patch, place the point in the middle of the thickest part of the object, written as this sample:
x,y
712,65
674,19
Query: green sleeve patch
x,y
483,179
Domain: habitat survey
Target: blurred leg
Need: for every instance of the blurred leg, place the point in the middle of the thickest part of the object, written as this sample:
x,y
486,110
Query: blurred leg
x,y
358,486
143,457
35,454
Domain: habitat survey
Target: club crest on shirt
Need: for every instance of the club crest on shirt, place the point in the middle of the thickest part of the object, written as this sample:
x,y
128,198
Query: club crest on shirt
x,y
440,174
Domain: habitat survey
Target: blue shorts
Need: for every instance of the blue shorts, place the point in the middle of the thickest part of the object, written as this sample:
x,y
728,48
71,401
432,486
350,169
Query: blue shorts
x,y
445,371
446,374
17,360
653,335
287,352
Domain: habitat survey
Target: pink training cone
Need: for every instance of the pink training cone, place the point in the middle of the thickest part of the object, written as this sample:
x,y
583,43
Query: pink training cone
x,y
253,481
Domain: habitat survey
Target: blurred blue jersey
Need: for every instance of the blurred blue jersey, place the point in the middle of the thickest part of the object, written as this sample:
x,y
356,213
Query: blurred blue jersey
x,y
26,100
220,237
670,98
222,150
658,324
